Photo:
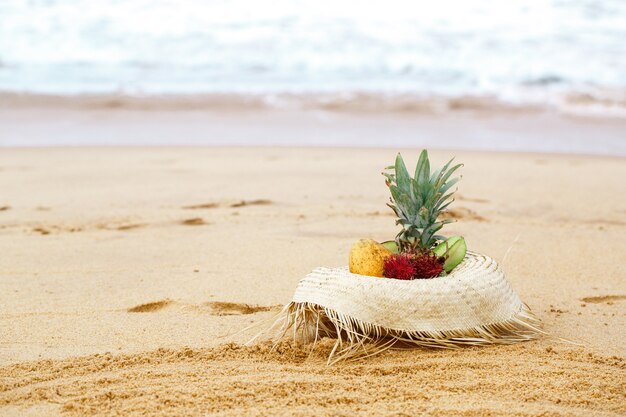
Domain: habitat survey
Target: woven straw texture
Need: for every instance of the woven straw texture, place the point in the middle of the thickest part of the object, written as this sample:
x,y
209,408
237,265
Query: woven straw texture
x,y
473,305
476,293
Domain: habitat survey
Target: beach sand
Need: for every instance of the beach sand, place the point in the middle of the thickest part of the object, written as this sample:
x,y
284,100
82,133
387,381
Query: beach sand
x,y
127,275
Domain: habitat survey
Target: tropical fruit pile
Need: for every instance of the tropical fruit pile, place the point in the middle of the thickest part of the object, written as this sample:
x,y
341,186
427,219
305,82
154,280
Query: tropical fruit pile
x,y
418,251
437,294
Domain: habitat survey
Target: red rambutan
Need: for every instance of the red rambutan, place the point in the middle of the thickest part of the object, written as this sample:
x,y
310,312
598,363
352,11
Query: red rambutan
x,y
399,266
427,266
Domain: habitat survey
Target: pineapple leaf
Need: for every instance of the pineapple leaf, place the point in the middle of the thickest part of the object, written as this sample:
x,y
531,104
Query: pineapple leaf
x,y
420,163
449,173
429,232
428,193
407,203
419,201
402,175
443,200
396,194
390,178
449,184
436,177
445,206
395,210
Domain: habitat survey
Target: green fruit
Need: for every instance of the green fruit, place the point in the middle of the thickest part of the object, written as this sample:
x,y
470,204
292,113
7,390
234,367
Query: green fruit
x,y
441,249
453,250
455,255
391,245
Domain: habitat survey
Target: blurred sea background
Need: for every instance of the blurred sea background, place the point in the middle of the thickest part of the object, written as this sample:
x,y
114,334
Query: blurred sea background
x,y
568,55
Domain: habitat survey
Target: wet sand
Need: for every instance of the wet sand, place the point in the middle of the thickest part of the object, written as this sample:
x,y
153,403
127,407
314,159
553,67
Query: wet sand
x,y
467,126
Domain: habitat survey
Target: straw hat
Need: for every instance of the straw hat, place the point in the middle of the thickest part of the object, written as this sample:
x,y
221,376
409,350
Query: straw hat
x,y
473,305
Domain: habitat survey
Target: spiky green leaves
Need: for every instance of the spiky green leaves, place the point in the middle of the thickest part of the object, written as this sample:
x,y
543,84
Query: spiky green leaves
x,y
419,200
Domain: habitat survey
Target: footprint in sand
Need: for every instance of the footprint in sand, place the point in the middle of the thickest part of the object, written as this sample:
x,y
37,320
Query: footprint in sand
x,y
236,204
603,299
195,221
471,199
219,308
201,206
380,213
55,229
65,228
462,213
216,308
243,203
116,226
605,222
150,307
130,226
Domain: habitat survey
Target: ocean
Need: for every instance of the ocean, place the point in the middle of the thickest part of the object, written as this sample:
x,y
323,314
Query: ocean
x,y
564,54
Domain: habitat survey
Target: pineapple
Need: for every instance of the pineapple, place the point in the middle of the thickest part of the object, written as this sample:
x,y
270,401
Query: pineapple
x,y
419,201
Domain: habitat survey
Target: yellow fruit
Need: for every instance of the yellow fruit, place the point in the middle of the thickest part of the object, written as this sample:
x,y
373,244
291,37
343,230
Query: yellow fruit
x,y
367,257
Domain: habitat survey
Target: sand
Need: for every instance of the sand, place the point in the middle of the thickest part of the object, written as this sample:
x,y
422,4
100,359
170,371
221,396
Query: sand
x,y
233,380
127,275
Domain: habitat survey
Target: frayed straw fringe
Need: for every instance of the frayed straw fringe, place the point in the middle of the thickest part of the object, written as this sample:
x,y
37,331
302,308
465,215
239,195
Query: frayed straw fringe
x,y
356,339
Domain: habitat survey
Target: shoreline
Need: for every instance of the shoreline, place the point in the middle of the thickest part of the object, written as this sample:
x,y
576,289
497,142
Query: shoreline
x,y
592,105
520,131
